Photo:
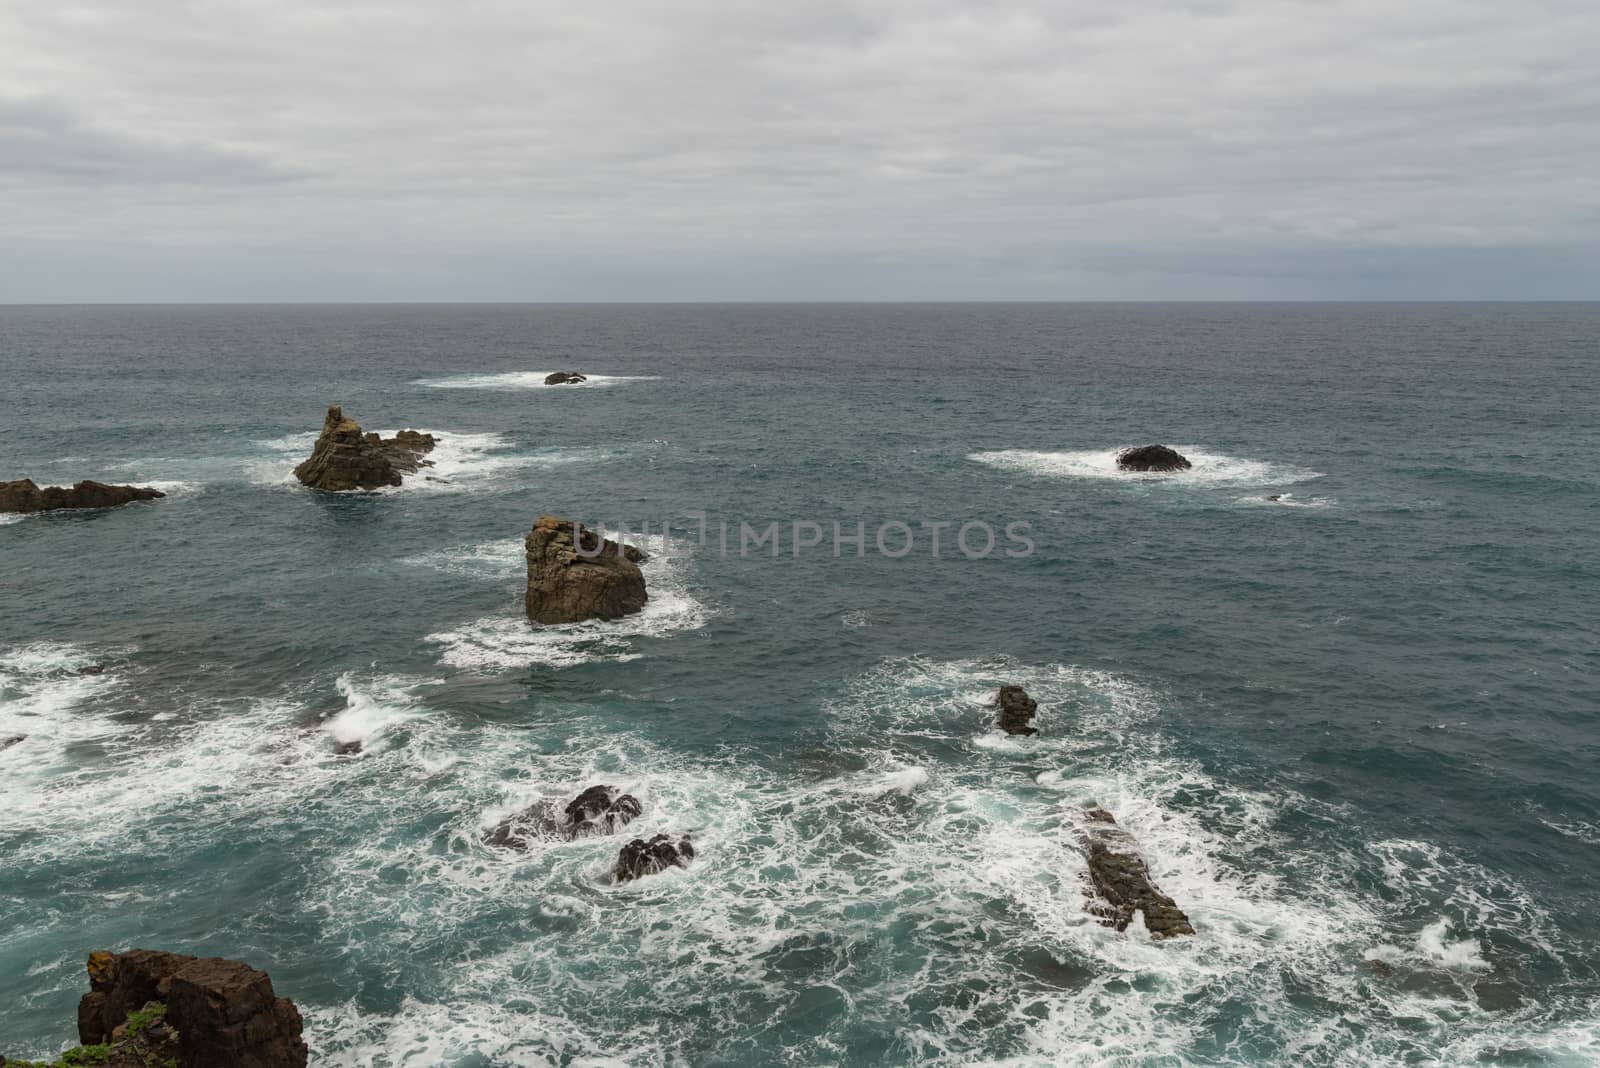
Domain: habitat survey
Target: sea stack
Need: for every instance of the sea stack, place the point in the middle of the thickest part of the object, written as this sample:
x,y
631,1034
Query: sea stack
x,y
24,496
639,857
1121,881
346,459
564,378
1152,458
574,575
1016,710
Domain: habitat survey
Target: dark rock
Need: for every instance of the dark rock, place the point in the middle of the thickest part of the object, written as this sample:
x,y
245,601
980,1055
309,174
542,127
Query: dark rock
x,y
1379,967
564,378
1016,709
634,554
574,575
1275,497
639,857
226,1013
11,740
347,748
219,1013
24,496
93,669
1152,458
1121,881
598,810
344,458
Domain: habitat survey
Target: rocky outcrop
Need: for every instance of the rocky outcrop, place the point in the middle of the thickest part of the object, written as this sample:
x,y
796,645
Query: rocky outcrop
x,y
1016,710
1121,883
639,857
24,496
1152,458
344,458
574,575
150,1007
12,739
564,378
598,810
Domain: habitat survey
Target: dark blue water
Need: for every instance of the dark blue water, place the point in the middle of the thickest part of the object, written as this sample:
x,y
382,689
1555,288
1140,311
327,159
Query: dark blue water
x,y
1355,729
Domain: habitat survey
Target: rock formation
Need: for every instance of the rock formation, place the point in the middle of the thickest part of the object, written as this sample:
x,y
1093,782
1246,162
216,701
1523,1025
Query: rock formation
x,y
574,574
1121,881
598,810
639,857
11,740
1016,709
24,496
147,1008
344,458
1152,458
564,378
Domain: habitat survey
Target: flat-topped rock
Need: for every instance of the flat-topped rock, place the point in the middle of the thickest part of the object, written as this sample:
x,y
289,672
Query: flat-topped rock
x,y
1152,458
574,574
24,495
345,458
564,378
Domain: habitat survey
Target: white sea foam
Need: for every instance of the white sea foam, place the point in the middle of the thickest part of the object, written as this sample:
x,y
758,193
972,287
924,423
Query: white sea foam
x,y
11,517
503,642
1209,468
1286,500
527,380
42,696
370,710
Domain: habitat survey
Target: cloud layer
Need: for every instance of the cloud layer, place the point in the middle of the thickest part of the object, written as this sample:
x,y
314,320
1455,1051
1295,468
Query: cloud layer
x,y
279,149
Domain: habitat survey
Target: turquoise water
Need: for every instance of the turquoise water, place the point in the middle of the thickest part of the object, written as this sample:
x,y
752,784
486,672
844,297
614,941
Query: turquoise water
x,y
1357,724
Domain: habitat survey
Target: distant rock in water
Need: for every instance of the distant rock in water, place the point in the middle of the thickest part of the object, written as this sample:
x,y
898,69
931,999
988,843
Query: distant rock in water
x,y
598,810
344,458
639,857
1016,710
155,1008
24,496
11,740
1152,458
564,378
574,575
1121,881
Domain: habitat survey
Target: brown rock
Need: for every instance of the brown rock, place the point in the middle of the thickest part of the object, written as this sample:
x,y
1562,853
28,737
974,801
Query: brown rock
x,y
120,983
24,496
574,575
1121,881
344,458
226,1013
1016,710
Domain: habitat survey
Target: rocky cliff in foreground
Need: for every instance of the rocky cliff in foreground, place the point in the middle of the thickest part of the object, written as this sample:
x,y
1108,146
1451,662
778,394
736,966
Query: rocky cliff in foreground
x,y
150,1009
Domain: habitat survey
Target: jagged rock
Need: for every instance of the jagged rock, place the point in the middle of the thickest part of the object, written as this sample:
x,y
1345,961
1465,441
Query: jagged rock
x,y
574,575
227,1014
1016,709
219,1013
11,740
1121,881
24,496
344,458
639,857
598,810
564,378
1152,458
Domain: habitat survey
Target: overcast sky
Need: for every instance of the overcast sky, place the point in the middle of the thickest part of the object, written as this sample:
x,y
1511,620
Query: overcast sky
x,y
798,150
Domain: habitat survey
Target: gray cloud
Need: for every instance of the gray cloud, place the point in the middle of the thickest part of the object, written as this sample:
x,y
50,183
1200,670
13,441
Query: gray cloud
x,y
894,149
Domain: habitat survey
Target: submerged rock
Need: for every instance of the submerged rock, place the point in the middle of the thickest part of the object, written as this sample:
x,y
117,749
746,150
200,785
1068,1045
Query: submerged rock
x,y
344,458
24,496
1016,710
11,740
195,1012
1121,881
598,810
574,575
1152,458
639,857
564,378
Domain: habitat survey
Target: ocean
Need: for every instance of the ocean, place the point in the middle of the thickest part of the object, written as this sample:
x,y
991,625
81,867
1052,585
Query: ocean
x,y
1354,729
